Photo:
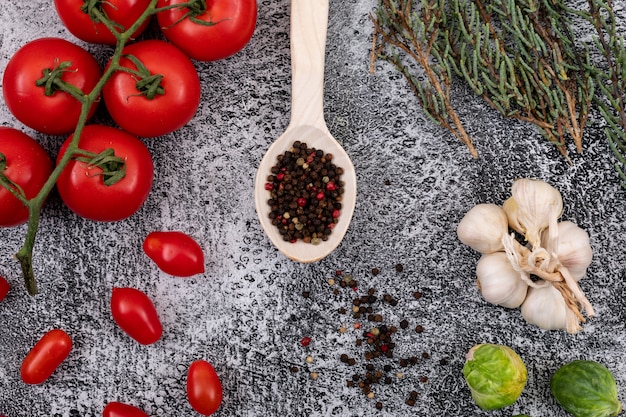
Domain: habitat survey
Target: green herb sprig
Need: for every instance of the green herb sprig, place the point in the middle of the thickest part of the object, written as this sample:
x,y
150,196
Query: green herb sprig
x,y
403,31
611,79
520,56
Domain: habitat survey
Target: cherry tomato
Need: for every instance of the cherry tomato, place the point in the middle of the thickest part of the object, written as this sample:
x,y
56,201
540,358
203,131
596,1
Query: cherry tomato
x,y
116,409
55,114
175,253
46,356
81,24
218,31
82,187
161,107
4,288
135,313
204,389
27,165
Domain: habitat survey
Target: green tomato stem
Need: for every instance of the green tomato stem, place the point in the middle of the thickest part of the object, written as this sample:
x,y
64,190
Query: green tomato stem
x,y
35,204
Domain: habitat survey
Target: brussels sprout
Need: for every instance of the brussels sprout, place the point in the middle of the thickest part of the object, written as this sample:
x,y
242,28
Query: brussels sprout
x,y
495,374
586,389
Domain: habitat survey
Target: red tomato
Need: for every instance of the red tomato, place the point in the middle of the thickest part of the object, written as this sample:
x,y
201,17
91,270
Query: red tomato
x,y
116,409
55,114
46,356
134,109
28,165
175,253
4,289
204,389
87,28
83,189
218,31
135,313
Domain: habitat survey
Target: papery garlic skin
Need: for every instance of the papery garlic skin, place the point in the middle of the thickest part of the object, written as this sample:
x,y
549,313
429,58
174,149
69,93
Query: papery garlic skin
x,y
545,307
574,249
482,228
498,282
539,206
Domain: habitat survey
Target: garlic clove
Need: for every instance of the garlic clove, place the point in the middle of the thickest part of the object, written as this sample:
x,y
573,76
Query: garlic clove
x,y
499,282
574,249
510,208
545,307
482,228
539,206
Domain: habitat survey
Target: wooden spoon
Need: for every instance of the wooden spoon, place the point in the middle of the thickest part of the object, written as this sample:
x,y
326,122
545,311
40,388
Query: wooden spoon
x,y
309,21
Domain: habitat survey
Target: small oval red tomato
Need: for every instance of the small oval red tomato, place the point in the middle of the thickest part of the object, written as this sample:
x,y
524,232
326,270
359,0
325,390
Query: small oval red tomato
x,y
159,100
82,185
117,409
58,112
82,23
217,31
27,164
135,313
204,389
4,288
46,356
175,253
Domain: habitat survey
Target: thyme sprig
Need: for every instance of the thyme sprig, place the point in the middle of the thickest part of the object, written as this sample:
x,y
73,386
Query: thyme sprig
x,y
611,79
520,56
400,31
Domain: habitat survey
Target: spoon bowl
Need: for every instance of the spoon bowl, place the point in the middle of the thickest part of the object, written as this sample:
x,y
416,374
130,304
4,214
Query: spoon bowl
x,y
309,21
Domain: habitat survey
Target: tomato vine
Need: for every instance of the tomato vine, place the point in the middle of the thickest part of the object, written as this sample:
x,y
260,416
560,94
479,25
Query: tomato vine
x,y
51,81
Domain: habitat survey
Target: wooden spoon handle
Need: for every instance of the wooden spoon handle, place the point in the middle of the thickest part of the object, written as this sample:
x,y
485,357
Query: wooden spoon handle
x,y
309,23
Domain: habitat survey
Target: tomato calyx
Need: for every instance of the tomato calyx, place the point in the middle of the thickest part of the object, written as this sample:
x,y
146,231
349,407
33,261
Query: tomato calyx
x,y
113,168
148,84
52,81
93,9
197,8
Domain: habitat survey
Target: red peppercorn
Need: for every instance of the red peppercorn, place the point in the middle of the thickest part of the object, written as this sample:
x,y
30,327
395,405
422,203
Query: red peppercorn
x,y
336,213
306,341
384,348
320,195
302,201
280,176
269,186
331,186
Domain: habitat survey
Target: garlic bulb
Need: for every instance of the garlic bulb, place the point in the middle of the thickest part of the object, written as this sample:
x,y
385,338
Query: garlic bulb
x,y
498,282
574,250
545,307
482,228
538,206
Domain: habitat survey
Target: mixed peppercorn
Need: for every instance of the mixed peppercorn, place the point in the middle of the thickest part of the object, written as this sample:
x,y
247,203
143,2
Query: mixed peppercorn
x,y
305,194
375,339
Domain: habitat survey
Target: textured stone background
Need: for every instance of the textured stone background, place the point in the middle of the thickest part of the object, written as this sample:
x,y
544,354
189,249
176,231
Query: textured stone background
x,y
246,315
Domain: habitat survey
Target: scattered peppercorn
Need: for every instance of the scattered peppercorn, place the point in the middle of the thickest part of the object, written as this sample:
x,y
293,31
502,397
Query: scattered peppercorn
x,y
399,268
305,341
306,193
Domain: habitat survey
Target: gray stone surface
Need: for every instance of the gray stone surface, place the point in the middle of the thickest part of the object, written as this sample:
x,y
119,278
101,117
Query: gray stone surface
x,y
246,314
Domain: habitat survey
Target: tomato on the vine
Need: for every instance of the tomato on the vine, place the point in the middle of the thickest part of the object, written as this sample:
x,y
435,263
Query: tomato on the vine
x,y
87,189
209,30
175,253
80,17
5,287
160,96
136,315
204,389
46,356
31,78
26,164
117,409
